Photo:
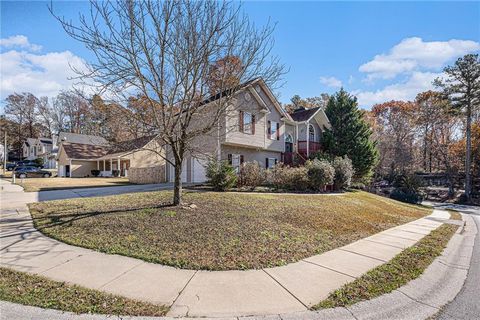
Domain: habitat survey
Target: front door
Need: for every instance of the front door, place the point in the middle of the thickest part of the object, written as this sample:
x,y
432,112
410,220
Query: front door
x,y
288,147
67,170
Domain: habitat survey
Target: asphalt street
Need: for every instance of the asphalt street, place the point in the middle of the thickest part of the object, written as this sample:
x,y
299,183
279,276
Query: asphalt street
x,y
466,305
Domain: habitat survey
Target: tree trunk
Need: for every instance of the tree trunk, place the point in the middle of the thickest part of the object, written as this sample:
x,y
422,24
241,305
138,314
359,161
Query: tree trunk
x,y
177,184
468,156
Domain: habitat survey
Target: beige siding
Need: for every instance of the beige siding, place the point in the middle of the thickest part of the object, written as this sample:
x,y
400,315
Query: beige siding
x,y
302,131
250,155
82,169
248,102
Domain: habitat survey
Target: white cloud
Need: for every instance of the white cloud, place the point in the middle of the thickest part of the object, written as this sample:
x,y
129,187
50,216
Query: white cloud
x,y
414,54
19,41
40,74
331,82
406,90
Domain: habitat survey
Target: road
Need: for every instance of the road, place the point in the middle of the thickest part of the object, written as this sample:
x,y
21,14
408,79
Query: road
x,y
466,305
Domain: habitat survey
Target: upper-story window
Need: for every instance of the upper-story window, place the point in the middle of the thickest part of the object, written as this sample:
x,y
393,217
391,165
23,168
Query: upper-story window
x,y
311,133
247,122
273,130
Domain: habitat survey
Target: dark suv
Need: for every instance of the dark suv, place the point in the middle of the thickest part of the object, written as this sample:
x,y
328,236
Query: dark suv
x,y
31,172
28,163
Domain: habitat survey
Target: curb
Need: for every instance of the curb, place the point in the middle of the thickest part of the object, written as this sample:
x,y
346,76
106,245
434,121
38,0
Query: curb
x,y
419,299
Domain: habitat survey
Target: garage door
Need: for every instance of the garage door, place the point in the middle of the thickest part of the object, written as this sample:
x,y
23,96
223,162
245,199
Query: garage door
x,y
199,170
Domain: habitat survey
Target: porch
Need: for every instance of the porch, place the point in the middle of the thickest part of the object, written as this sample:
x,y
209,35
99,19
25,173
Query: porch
x,y
303,151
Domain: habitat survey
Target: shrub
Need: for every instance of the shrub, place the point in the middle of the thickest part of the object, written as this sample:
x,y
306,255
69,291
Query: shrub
x,y
251,175
406,196
95,173
343,172
221,175
287,178
320,173
39,162
407,189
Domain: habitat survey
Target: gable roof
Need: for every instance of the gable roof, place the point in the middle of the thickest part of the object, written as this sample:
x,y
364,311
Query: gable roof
x,y
81,138
30,141
130,145
83,151
302,114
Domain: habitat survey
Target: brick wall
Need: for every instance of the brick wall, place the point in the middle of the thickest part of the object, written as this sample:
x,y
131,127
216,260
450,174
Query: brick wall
x,y
147,175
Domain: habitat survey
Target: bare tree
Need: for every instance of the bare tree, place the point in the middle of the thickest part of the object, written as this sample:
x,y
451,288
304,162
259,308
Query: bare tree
x,y
71,111
162,51
45,116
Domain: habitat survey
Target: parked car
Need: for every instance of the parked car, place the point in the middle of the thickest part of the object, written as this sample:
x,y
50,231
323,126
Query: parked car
x,y
31,172
10,166
28,163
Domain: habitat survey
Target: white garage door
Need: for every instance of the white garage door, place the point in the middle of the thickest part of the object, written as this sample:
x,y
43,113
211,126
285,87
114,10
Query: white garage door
x,y
199,170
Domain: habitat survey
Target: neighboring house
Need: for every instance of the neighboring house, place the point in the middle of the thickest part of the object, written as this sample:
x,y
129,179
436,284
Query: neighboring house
x,y
256,128
34,148
86,153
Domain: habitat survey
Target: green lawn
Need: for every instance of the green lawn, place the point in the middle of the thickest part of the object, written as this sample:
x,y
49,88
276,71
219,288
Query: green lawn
x,y
32,290
225,231
406,266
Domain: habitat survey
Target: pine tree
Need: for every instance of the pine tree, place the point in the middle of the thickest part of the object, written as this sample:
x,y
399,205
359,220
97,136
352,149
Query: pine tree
x,y
462,87
350,134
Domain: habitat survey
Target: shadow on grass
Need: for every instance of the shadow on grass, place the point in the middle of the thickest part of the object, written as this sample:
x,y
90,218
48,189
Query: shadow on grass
x,y
58,220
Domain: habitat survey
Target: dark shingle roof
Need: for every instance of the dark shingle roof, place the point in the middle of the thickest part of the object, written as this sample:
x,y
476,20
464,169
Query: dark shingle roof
x,y
83,151
130,145
303,114
88,151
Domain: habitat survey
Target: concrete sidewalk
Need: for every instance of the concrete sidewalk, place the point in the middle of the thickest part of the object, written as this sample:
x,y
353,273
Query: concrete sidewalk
x,y
291,288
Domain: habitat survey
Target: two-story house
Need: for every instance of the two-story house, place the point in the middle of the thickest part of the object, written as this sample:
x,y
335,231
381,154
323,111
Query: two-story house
x,y
34,148
256,128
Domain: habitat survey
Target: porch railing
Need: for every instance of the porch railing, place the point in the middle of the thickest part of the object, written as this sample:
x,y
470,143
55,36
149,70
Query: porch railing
x,y
313,147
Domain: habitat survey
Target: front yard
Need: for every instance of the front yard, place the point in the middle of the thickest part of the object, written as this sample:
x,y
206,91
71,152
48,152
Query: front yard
x,y
45,184
225,230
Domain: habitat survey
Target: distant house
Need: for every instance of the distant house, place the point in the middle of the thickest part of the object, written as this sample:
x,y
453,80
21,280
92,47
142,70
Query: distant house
x,y
78,155
43,148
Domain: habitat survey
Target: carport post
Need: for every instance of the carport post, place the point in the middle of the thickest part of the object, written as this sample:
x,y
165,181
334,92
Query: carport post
x,y
70,171
118,167
98,165
111,166
104,165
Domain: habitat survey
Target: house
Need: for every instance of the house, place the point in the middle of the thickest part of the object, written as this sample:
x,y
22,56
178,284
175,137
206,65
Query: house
x,y
43,148
256,128
79,154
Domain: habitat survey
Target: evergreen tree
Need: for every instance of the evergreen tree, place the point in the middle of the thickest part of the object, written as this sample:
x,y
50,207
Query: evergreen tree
x,y
349,134
462,86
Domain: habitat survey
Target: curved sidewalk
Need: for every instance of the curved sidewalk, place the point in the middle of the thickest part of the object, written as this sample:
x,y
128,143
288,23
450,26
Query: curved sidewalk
x,y
272,291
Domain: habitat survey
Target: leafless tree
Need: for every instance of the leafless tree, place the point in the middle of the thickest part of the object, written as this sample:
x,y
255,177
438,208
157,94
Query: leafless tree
x,y
162,51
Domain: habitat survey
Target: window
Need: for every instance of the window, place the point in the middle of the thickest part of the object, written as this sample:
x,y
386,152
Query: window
x,y
273,130
247,122
235,160
311,133
270,162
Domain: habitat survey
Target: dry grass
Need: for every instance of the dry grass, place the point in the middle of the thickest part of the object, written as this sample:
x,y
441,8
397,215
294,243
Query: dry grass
x,y
28,289
404,267
44,184
225,231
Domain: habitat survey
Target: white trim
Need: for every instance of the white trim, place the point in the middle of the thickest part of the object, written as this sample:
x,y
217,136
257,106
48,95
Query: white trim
x,y
314,131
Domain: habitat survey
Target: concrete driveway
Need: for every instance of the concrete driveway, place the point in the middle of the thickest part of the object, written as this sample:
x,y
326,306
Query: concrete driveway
x,y
12,195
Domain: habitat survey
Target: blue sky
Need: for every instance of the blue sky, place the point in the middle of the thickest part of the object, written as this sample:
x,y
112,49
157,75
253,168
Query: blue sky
x,y
377,50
